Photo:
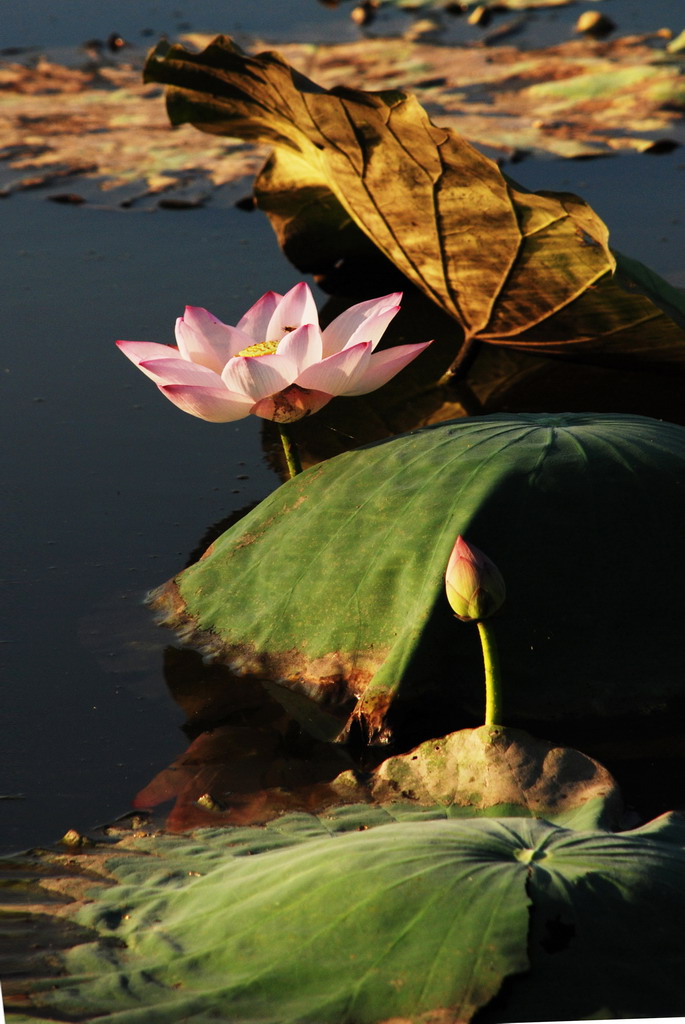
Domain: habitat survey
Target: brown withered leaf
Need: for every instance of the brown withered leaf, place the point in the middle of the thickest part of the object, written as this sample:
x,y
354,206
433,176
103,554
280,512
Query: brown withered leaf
x,y
580,98
512,267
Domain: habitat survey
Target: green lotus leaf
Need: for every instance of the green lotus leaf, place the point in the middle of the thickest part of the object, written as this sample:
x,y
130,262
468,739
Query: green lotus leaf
x,y
332,587
335,920
353,170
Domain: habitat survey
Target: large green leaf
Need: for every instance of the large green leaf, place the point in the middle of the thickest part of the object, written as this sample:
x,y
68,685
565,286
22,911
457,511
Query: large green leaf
x,y
511,266
588,893
335,920
333,586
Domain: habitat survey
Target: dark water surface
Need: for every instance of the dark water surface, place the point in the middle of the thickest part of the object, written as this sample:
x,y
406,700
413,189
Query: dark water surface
x,y
109,487
42,23
58,23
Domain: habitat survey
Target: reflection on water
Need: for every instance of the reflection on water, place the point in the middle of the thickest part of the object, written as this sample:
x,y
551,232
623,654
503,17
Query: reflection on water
x,y
248,760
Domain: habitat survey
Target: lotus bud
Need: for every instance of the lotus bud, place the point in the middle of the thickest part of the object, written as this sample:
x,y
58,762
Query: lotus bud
x,y
474,584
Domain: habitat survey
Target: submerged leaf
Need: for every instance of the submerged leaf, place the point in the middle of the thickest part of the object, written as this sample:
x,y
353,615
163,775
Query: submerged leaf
x,y
333,586
241,775
511,266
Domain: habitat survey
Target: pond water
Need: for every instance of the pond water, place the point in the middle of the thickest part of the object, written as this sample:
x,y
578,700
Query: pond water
x,y
110,489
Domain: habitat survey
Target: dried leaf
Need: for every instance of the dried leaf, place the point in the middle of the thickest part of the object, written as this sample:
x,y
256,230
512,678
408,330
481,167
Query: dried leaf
x,y
513,267
573,100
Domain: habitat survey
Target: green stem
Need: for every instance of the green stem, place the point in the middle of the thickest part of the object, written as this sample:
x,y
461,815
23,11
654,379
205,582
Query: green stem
x,y
292,456
493,681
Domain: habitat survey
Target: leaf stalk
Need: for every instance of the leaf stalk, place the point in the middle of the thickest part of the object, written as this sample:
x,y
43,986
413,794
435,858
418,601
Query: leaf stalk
x,y
493,679
290,450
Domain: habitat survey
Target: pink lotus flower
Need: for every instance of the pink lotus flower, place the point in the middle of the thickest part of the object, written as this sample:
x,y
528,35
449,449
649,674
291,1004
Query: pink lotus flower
x,y
474,584
276,362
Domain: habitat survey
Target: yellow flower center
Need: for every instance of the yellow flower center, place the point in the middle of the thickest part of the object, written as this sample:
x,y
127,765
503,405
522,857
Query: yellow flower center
x,y
260,348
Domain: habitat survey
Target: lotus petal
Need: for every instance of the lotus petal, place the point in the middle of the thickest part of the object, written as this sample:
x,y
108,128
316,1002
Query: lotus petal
x,y
340,373
204,339
384,365
297,307
340,331
216,405
255,322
